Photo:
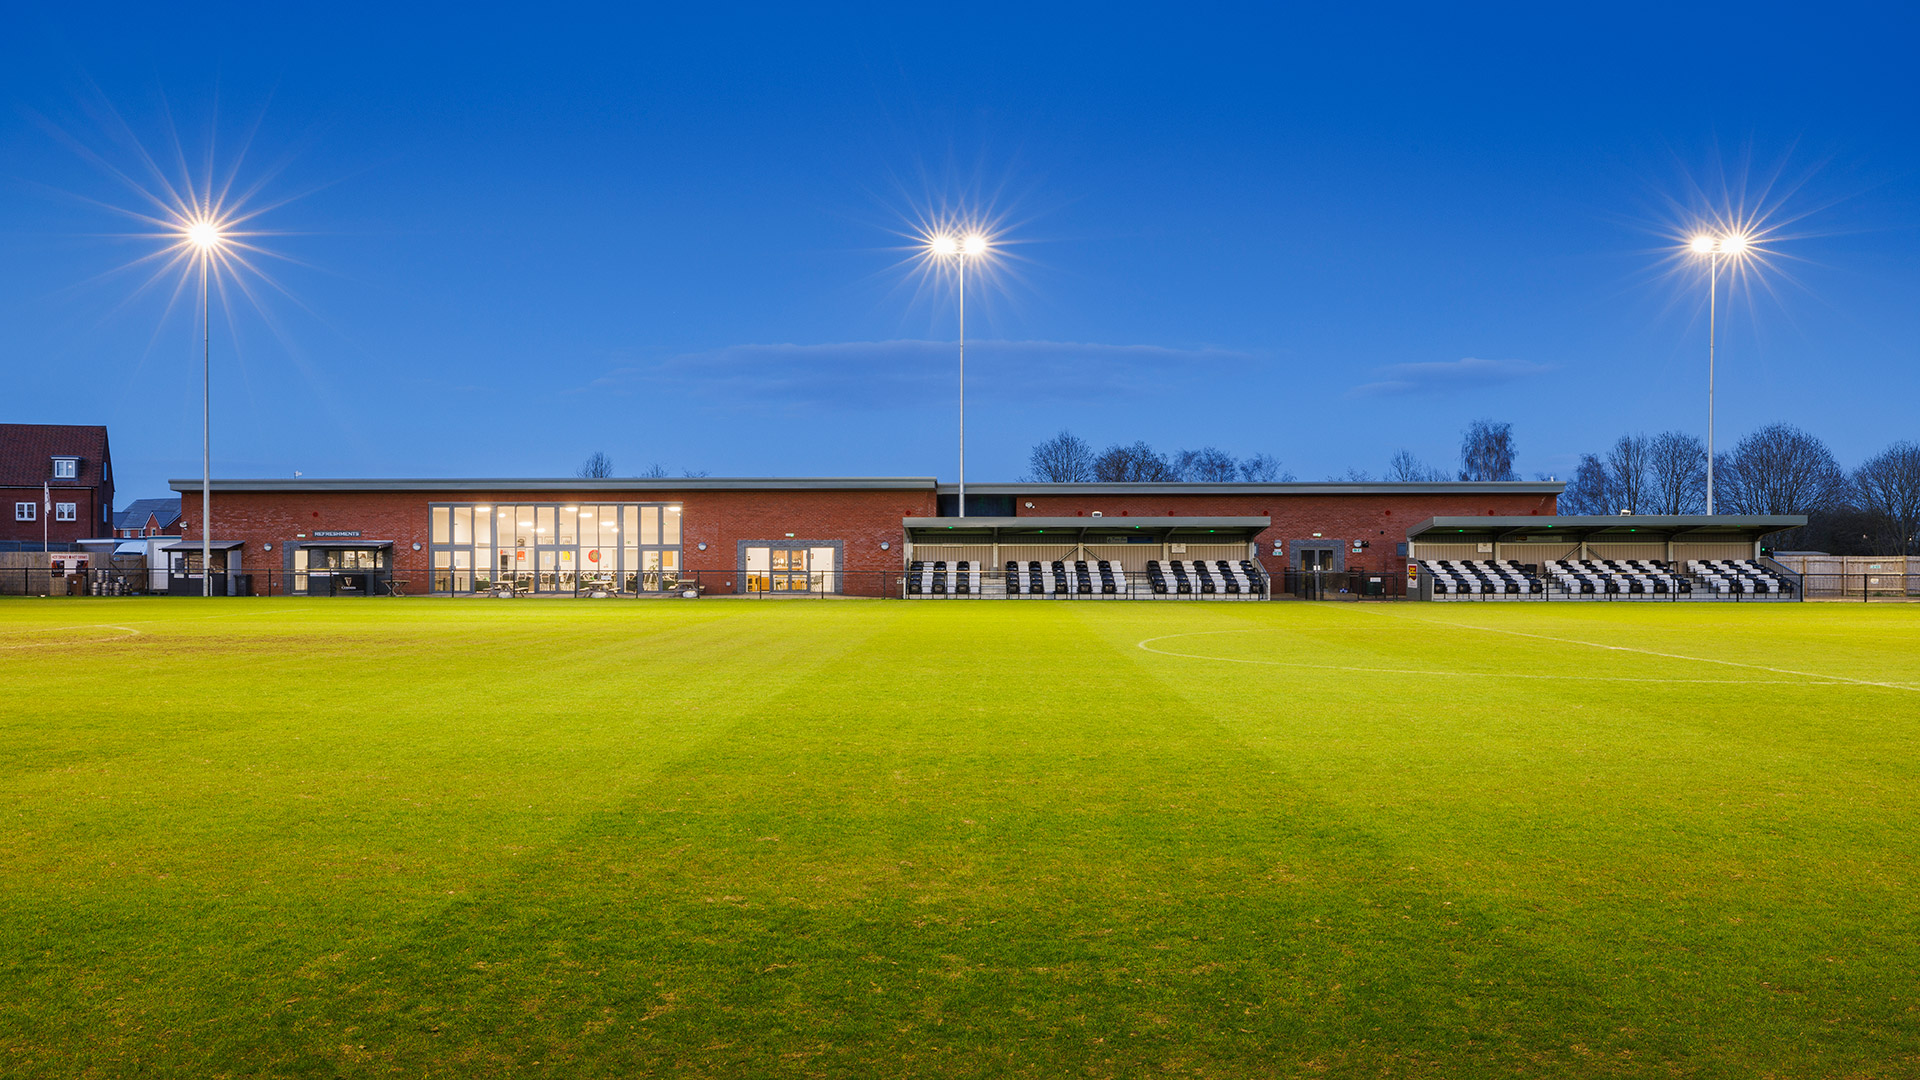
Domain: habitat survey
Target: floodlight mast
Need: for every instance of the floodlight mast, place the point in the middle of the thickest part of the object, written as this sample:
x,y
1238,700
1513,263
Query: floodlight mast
x,y
1731,245
204,235
972,246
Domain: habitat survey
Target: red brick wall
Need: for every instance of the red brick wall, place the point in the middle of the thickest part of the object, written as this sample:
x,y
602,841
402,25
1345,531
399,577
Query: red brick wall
x,y
860,520
87,523
1381,519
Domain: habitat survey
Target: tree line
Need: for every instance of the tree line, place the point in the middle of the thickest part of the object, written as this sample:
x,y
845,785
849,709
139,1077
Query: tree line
x,y
1779,469
1069,459
1486,453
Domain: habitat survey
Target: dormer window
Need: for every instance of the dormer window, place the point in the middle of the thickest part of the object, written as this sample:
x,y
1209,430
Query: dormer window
x,y
66,468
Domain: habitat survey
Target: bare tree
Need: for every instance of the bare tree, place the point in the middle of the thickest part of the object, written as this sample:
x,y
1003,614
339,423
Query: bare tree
x,y
1590,491
1404,468
1486,451
1264,468
598,466
1778,470
694,474
1676,474
1138,463
655,471
1207,465
1627,474
1353,476
1887,485
1064,459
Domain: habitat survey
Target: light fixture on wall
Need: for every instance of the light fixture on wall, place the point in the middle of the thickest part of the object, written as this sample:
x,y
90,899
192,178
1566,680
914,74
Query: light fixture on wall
x,y
416,545
702,545
884,545
266,547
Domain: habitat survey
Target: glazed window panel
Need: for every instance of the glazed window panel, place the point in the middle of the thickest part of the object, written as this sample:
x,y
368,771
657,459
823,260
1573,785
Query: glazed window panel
x,y
554,547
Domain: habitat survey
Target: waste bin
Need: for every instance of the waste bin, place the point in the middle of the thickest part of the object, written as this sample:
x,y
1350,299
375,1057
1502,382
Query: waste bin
x,y
1373,586
242,584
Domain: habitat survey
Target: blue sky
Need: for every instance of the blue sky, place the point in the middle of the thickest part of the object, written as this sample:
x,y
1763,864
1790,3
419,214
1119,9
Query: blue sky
x,y
516,237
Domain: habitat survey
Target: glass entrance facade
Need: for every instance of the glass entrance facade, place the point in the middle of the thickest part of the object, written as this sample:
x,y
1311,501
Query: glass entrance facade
x,y
555,547
324,571
774,568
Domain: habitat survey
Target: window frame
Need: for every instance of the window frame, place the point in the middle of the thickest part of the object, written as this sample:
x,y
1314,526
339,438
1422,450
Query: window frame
x,y
66,468
66,511
26,511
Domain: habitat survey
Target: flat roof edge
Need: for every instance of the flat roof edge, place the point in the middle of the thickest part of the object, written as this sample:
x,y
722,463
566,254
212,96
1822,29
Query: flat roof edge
x,y
536,484
1110,524
1291,487
1598,523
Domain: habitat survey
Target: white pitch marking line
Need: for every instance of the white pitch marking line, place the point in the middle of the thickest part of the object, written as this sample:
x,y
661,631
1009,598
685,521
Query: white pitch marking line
x,y
1147,642
130,632
1663,655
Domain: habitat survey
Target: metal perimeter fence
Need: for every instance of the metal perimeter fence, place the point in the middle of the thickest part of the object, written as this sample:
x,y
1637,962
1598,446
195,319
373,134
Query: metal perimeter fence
x,y
657,584
1868,587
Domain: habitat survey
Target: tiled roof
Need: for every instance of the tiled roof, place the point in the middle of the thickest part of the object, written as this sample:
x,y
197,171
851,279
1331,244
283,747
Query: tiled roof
x,y
27,452
164,512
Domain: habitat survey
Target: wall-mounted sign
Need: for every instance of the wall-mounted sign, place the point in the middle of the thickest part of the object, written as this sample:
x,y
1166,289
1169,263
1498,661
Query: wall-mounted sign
x,y
336,532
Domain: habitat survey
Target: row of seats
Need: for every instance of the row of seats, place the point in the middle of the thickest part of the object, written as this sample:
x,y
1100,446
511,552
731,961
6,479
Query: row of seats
x,y
937,579
1470,577
1059,579
1607,577
1100,577
1743,577
1195,577
1621,577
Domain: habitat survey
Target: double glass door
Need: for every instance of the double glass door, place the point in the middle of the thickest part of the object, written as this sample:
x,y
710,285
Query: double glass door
x,y
790,569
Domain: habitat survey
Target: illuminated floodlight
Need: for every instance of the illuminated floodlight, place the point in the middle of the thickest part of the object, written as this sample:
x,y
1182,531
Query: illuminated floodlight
x,y
949,247
1732,247
205,234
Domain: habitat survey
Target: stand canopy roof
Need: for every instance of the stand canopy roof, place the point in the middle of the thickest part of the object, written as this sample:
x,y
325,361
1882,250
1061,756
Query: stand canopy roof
x,y
1084,530
1605,528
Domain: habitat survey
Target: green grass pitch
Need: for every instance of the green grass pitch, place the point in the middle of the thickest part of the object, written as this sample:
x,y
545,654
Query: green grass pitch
x,y
869,838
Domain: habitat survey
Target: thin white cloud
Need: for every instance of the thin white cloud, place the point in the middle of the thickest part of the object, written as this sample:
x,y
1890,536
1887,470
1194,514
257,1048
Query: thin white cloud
x,y
888,374
1440,376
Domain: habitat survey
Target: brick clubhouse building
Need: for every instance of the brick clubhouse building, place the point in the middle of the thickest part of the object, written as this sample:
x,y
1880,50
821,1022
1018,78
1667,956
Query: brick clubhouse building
x,y
854,536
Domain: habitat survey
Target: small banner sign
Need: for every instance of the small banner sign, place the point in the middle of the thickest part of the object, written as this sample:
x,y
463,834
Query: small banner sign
x,y
337,532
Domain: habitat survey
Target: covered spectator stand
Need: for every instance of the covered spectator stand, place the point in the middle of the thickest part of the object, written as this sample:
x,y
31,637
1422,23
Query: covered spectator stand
x,y
1115,558
1665,557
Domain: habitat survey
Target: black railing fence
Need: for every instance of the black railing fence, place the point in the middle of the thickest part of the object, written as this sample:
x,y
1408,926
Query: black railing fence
x,y
417,581
1868,587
